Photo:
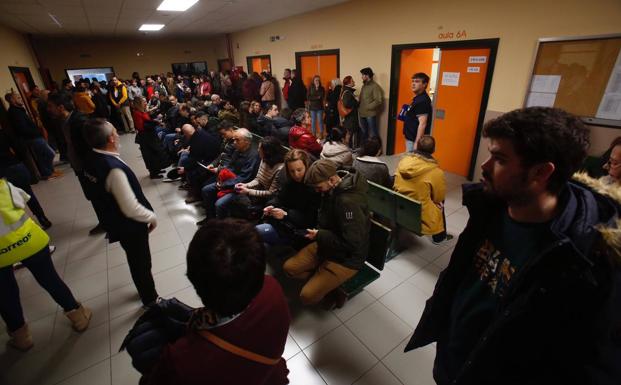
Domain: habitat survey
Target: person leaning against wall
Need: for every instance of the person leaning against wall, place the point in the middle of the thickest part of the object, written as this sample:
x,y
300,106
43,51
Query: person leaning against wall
x,y
371,100
417,116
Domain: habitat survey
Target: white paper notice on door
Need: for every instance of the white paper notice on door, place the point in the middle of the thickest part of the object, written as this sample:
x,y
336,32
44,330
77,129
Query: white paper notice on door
x,y
545,83
450,79
540,99
477,59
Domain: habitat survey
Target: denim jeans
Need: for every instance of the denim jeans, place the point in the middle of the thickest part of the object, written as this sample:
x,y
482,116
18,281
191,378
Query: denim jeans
x,y
368,128
42,268
44,156
269,234
214,206
169,142
409,145
317,121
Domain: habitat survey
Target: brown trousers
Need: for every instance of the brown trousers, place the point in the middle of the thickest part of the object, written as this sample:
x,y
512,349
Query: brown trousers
x,y
325,276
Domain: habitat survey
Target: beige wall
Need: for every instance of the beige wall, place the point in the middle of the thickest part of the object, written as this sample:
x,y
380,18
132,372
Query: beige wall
x,y
365,30
157,54
16,52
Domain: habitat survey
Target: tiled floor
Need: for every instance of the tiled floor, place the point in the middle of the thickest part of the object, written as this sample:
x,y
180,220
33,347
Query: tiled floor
x,y
361,343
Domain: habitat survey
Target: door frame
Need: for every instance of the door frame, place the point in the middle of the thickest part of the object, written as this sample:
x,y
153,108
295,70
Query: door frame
x,y
299,55
395,67
249,61
26,72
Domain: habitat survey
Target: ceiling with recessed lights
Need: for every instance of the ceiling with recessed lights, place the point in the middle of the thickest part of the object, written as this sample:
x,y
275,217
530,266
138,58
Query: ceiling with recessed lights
x,y
82,18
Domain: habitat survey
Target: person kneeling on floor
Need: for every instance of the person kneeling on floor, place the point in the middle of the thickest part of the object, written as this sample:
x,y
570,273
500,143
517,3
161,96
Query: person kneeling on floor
x,y
341,241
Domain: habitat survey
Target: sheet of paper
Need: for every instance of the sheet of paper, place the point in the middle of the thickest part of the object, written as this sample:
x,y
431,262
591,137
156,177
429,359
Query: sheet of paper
x,y
474,70
477,59
540,99
450,79
545,83
610,106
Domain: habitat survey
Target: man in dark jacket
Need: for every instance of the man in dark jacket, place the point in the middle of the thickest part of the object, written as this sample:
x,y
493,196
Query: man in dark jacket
x,y
28,134
60,106
530,295
203,147
341,241
297,92
272,124
243,165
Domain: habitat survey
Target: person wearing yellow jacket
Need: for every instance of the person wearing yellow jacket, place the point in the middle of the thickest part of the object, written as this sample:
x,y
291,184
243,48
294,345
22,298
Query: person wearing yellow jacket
x,y
419,177
22,240
82,99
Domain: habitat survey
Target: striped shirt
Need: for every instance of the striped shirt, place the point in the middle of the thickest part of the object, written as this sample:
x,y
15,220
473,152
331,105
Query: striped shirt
x,y
265,183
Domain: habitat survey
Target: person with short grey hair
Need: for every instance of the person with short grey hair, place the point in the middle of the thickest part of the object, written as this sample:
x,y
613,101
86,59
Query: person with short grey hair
x,y
128,216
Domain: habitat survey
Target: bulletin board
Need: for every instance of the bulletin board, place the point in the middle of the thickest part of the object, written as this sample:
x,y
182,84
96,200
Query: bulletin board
x,y
580,75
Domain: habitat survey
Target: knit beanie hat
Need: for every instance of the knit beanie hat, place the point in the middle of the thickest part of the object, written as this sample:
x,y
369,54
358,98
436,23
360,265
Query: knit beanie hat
x,y
320,171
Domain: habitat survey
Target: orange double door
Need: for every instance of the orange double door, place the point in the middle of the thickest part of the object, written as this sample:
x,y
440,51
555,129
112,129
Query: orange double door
x,y
326,66
259,64
458,78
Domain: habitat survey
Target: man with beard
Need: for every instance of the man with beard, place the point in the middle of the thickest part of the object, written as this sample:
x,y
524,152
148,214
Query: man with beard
x,y
530,295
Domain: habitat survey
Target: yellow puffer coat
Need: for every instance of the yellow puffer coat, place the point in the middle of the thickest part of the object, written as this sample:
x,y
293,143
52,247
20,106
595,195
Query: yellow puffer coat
x,y
421,179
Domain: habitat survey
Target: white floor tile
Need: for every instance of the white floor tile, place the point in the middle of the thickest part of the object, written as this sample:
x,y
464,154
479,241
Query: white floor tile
x,y
379,329
387,281
406,301
426,278
119,327
124,300
167,258
163,241
89,266
98,374
310,324
123,373
354,305
101,315
119,276
171,280
291,348
378,375
38,306
86,246
414,367
406,264
89,287
336,351
302,372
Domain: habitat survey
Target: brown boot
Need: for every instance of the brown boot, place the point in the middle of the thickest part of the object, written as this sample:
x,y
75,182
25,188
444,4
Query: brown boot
x,y
21,338
80,318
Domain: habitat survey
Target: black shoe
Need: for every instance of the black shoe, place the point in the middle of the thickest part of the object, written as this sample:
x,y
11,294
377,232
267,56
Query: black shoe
x,y
96,230
155,176
44,222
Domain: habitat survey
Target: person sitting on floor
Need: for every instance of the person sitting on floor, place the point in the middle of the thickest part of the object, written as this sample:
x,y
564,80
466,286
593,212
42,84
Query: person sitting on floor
x,y
419,177
204,148
239,336
336,150
341,241
243,165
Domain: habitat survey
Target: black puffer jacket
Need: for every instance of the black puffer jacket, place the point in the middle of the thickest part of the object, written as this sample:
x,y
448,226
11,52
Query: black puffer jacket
x,y
556,323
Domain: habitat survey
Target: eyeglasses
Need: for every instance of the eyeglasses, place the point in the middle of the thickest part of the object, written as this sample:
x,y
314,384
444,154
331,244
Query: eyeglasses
x,y
613,162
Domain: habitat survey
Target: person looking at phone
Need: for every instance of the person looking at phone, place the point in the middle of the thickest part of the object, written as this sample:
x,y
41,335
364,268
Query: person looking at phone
x,y
294,208
341,240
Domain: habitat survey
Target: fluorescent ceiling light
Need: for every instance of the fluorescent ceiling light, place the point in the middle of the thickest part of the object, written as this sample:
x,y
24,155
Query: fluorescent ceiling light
x,y
176,5
151,27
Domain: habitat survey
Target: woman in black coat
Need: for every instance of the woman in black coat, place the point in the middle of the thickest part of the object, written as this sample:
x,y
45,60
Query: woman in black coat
x,y
297,93
350,122
101,103
332,112
295,207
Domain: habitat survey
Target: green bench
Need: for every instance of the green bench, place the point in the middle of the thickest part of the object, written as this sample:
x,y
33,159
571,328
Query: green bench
x,y
400,211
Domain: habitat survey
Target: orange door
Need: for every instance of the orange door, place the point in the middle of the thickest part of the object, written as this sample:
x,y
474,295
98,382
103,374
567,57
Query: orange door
x,y
461,79
412,61
266,65
323,65
256,65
